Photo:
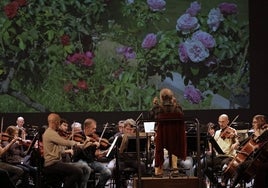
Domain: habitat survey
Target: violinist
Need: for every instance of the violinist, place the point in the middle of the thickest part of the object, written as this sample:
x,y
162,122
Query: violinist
x,y
20,126
68,152
53,145
16,156
226,138
91,149
14,173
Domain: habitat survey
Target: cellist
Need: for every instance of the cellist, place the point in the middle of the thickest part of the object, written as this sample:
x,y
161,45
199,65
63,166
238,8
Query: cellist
x,y
256,142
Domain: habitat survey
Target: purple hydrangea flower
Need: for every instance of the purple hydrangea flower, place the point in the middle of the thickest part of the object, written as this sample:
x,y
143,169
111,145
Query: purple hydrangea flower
x,y
127,52
194,9
149,41
207,40
214,19
130,54
156,5
228,8
183,53
192,94
196,51
187,23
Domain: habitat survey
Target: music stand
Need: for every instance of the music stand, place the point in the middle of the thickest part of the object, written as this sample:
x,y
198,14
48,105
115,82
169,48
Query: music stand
x,y
132,147
216,146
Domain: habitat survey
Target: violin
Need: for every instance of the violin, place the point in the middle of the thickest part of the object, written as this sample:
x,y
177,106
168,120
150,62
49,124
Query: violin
x,y
76,136
64,134
5,137
228,133
104,143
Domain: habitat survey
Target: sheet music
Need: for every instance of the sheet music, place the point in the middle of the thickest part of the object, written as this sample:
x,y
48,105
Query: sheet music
x,y
149,127
112,146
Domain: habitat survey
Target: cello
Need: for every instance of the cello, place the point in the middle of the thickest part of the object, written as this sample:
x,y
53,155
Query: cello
x,y
245,153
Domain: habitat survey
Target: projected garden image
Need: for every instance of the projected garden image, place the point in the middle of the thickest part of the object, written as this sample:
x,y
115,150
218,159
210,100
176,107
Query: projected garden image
x,y
107,55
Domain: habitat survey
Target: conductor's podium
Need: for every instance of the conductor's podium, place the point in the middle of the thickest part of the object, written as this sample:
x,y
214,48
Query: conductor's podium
x,y
168,182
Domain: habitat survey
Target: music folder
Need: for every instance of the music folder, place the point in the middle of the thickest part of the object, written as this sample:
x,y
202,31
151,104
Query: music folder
x,y
216,146
112,146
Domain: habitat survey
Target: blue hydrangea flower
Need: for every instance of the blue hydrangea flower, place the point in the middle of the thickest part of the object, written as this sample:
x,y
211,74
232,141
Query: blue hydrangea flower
x,y
157,5
194,9
215,17
207,39
187,23
196,51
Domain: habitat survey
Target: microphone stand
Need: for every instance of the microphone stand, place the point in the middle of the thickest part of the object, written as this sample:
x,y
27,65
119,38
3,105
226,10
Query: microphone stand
x,y
117,178
198,151
138,149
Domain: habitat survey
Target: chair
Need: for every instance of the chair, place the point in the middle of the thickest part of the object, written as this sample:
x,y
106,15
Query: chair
x,y
92,181
50,180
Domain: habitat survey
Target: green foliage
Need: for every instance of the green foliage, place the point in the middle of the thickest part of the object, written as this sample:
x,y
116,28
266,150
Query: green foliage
x,y
32,43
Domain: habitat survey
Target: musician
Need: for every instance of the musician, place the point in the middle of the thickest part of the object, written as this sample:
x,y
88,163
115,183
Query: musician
x,y
67,152
129,160
120,130
170,129
16,156
260,138
64,126
9,174
226,138
20,126
53,164
92,151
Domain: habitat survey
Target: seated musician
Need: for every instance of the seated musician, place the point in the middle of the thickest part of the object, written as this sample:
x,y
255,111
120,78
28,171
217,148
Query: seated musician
x,y
53,144
67,152
9,174
254,146
170,129
227,140
129,159
91,152
17,156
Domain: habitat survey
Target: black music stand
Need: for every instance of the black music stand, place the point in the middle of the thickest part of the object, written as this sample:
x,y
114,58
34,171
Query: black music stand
x,y
215,146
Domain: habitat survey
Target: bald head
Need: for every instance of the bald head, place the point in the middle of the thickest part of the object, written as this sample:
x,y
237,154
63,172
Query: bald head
x,y
223,121
20,122
53,120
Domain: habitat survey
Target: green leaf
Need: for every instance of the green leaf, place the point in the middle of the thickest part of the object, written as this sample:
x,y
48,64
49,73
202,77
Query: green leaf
x,y
22,45
194,71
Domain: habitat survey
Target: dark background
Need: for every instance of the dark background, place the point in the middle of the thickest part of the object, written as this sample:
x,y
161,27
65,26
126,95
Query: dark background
x,y
258,11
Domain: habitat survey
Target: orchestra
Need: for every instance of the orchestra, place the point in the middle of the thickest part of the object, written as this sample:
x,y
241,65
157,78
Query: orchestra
x,y
243,166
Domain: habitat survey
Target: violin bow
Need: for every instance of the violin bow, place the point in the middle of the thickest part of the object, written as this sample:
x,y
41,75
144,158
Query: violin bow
x,y
2,124
105,126
234,120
